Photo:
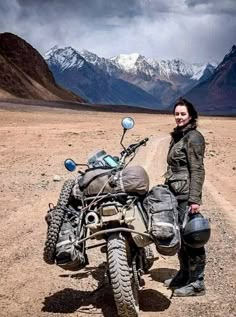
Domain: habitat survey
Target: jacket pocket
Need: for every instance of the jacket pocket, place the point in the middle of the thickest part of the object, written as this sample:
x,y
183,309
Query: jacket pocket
x,y
178,184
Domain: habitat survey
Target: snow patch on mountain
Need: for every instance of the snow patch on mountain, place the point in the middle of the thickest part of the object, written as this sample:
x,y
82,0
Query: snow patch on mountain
x,y
103,63
164,68
198,71
66,57
126,61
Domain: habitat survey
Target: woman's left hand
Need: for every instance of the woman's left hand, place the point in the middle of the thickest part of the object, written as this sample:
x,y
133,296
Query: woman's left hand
x,y
194,208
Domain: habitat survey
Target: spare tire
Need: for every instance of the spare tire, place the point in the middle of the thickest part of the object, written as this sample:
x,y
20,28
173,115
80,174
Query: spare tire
x,y
54,226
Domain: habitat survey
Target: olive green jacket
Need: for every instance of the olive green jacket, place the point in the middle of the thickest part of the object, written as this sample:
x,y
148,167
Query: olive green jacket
x,y
185,172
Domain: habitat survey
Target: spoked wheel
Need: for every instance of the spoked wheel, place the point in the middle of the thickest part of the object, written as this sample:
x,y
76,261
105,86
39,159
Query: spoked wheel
x,y
123,281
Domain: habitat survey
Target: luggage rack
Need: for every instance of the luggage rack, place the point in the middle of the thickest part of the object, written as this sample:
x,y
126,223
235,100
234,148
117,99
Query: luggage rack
x,y
120,197
108,196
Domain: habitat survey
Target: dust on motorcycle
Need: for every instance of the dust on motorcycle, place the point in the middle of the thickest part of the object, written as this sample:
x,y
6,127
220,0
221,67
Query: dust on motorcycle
x,y
103,203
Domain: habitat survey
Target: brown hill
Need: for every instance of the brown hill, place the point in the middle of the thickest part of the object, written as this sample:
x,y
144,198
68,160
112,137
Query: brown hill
x,y
25,74
218,93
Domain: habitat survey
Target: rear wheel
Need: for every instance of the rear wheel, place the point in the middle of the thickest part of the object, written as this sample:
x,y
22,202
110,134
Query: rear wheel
x,y
124,284
56,219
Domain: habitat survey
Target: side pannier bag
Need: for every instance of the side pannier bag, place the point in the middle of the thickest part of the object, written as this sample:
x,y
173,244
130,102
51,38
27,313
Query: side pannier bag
x,y
161,206
95,181
132,179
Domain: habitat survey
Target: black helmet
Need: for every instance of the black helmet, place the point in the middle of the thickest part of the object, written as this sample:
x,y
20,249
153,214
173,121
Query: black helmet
x,y
197,231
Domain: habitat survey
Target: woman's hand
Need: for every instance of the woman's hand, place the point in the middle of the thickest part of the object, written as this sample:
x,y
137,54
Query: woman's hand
x,y
194,208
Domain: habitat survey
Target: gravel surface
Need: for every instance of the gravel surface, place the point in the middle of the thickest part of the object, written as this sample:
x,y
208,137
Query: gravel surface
x,y
33,146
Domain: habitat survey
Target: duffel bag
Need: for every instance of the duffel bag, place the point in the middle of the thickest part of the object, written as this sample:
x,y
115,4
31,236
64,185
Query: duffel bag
x,y
95,180
132,179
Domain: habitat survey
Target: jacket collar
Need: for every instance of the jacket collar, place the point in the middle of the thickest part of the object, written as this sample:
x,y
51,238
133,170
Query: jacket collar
x,y
179,132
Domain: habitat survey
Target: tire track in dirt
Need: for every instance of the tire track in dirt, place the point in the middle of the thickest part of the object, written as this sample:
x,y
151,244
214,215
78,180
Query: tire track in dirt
x,y
155,161
222,203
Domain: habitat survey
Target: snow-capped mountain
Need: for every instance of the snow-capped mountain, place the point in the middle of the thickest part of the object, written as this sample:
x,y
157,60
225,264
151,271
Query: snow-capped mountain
x,y
164,80
128,62
91,79
136,63
105,64
65,57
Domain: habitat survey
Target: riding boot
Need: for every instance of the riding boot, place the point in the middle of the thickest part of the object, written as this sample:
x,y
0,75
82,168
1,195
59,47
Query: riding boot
x,y
182,276
195,285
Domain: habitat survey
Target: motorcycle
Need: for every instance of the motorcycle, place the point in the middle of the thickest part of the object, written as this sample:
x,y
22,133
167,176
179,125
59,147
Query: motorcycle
x,y
115,216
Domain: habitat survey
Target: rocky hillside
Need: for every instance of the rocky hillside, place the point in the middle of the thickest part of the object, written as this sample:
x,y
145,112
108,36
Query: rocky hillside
x,y
25,74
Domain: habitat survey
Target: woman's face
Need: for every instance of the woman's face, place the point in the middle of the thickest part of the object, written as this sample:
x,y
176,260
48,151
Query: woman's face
x,y
182,116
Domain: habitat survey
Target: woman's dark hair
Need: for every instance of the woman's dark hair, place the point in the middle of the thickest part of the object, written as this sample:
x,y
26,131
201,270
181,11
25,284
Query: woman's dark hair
x,y
190,107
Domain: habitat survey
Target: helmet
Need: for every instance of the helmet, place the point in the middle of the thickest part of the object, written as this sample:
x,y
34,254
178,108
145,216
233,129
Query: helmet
x,y
197,231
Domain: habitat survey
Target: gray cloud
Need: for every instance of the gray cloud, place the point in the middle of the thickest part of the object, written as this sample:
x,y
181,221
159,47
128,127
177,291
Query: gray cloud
x,y
98,9
188,29
213,6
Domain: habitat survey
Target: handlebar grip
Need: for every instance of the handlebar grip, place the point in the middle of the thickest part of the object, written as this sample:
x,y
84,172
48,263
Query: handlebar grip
x,y
133,147
144,141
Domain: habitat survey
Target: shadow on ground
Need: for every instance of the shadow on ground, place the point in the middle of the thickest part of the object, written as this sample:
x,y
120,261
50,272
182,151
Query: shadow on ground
x,y
70,301
162,274
101,300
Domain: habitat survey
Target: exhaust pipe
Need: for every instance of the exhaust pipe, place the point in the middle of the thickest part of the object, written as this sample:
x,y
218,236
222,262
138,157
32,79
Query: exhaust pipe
x,y
91,218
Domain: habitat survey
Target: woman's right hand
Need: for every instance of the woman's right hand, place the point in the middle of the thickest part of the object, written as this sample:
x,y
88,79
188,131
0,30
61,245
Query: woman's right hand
x,y
194,208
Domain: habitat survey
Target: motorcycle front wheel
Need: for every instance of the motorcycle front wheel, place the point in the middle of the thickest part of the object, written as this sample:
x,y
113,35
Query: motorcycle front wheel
x,y
124,286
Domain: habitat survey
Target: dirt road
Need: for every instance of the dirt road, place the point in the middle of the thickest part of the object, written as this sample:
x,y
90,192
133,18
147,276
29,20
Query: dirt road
x,y
33,146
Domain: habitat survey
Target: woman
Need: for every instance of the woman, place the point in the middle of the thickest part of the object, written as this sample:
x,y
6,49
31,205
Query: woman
x,y
185,177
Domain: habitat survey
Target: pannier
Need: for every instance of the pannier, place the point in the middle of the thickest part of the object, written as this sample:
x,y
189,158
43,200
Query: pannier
x,y
67,255
161,206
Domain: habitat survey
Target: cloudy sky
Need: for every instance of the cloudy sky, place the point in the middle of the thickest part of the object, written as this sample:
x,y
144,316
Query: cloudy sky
x,y
193,30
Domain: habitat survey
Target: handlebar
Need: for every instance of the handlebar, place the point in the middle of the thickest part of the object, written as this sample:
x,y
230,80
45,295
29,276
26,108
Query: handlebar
x,y
132,148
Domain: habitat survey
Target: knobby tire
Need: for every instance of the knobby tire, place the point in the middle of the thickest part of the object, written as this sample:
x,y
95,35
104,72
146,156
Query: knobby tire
x,y
56,222
124,289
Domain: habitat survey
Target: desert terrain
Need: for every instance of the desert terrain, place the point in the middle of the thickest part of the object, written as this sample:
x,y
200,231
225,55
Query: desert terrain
x,y
34,143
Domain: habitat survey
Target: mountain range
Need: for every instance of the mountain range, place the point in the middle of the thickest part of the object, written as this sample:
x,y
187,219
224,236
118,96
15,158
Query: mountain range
x,y
126,79
83,77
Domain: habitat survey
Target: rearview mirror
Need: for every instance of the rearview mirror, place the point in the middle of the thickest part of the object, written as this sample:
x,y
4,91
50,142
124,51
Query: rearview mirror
x,y
70,165
127,123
